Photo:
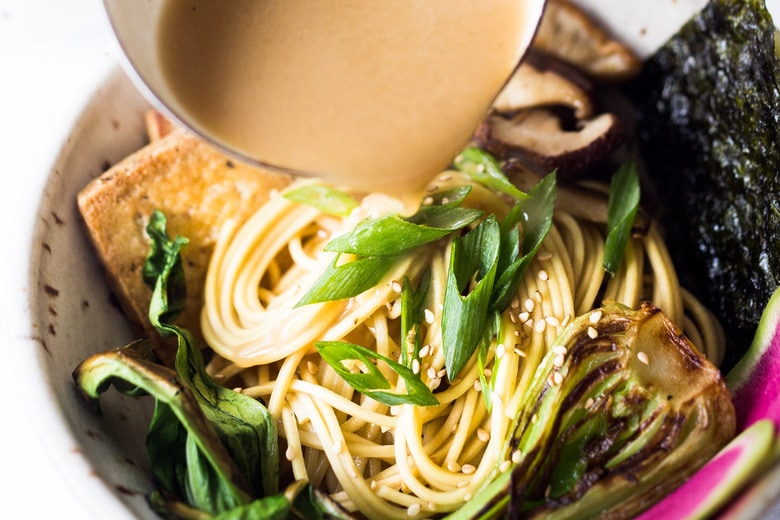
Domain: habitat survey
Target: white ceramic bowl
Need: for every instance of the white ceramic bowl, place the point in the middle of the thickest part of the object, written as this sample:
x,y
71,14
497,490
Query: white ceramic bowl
x,y
71,314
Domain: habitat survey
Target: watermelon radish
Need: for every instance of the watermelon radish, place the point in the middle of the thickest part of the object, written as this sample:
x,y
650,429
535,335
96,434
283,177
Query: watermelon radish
x,y
720,479
755,380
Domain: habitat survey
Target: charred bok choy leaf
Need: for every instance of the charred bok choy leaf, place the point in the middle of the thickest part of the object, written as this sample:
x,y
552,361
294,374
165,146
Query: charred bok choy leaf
x,y
213,451
626,414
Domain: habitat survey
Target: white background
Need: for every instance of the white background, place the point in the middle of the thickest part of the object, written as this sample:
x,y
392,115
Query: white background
x,y
52,53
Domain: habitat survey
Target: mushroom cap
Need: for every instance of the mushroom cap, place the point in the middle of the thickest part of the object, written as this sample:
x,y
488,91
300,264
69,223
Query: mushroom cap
x,y
537,138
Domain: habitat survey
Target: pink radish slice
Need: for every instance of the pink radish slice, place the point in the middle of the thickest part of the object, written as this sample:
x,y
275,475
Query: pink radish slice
x,y
755,380
720,479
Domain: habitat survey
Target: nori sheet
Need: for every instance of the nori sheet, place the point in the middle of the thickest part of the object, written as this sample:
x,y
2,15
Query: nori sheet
x,y
708,108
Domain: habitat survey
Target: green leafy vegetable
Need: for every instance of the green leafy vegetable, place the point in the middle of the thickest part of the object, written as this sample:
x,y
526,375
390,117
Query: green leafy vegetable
x,y
372,382
413,314
349,279
475,256
324,198
378,244
536,215
212,450
485,169
391,235
624,195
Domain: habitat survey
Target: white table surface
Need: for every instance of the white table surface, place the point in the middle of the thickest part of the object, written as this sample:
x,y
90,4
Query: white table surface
x,y
51,53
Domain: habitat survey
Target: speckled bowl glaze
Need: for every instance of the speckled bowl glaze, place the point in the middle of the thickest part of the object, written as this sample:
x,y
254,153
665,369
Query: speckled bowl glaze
x,y
71,310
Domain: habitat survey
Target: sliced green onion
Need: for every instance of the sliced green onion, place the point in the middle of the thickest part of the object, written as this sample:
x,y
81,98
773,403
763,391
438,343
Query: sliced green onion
x,y
347,280
475,256
536,215
324,198
485,169
624,194
373,383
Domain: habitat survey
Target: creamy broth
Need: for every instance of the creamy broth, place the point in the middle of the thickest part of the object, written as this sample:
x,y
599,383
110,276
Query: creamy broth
x,y
377,95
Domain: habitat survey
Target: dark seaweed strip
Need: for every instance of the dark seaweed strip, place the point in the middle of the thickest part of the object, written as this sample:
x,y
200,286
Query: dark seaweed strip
x,y
709,113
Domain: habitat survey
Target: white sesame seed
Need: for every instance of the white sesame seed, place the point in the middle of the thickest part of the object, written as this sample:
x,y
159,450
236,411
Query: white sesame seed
x,y
429,317
468,469
557,378
589,402
467,497
538,296
483,435
453,466
520,352
427,201
515,302
425,351
517,456
543,276
445,177
539,326
487,373
512,317
463,483
237,389
416,366
445,200
642,356
431,373
552,321
529,304
523,316
504,467
534,418
414,509
478,385
592,333
312,367
559,350
442,372
595,316
544,256
558,361
500,350
435,383
396,285
289,453
529,322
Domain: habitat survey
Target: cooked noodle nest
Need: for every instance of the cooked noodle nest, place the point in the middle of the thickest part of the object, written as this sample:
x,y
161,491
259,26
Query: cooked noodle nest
x,y
407,461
